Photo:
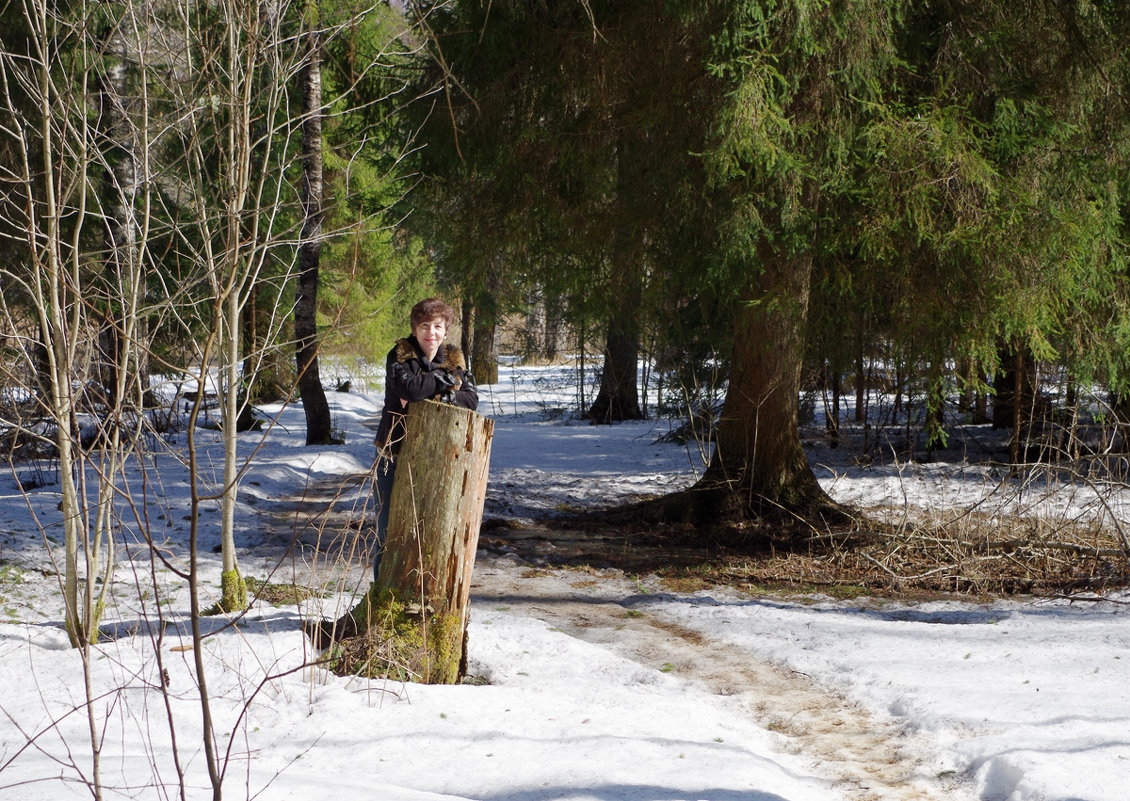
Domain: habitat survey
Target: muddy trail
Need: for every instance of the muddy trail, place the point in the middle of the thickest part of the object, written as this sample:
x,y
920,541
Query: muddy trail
x,y
528,571
866,759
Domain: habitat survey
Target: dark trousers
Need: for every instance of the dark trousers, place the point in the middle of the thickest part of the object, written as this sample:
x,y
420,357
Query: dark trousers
x,y
386,471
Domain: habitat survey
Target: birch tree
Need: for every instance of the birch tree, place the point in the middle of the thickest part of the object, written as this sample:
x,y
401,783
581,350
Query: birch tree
x,y
318,424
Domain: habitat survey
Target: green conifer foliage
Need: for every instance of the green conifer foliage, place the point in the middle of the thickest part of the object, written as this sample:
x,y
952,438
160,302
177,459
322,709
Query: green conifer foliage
x,y
933,180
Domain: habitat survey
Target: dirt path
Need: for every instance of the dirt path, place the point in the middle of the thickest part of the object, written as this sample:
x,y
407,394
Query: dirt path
x,y
867,759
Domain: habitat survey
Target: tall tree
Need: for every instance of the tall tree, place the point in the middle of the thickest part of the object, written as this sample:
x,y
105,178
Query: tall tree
x,y
370,271
618,396
565,133
884,135
120,187
990,201
318,423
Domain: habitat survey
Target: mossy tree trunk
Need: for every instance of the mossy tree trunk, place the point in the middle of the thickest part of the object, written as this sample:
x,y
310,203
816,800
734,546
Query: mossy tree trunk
x,y
413,621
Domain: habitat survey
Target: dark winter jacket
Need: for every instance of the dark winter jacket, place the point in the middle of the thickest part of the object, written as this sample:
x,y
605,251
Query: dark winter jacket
x,y
409,376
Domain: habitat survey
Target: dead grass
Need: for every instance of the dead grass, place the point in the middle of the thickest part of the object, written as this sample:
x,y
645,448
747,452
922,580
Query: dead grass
x,y
974,557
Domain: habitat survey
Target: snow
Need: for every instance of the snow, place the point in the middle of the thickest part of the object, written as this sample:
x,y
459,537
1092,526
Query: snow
x,y
589,685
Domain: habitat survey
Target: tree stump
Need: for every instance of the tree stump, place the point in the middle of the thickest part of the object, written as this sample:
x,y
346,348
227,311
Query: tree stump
x,y
412,623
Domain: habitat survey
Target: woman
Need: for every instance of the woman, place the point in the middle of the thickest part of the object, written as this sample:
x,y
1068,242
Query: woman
x,y
419,367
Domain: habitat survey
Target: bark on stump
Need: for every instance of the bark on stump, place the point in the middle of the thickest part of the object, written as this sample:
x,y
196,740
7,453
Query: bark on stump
x,y
413,621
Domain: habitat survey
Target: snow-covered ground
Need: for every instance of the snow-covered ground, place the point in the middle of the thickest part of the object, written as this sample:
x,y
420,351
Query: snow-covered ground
x,y
589,685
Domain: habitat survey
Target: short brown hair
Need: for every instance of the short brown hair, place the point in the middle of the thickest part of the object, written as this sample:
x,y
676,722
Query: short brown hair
x,y
429,309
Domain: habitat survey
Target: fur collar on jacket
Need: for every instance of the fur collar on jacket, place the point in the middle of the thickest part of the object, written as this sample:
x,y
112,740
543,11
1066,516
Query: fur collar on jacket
x,y
453,357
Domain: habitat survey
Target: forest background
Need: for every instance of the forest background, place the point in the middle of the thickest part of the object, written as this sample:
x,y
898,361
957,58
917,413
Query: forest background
x,y
717,191
750,199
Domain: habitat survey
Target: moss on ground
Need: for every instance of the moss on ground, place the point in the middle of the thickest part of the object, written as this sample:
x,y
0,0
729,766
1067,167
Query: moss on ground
x,y
399,639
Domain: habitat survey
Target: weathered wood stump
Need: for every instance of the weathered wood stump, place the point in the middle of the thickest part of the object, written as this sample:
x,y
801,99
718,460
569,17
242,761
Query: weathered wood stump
x,y
412,623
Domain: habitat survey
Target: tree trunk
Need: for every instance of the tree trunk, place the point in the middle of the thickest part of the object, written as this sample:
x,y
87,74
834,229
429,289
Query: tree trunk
x,y
107,368
981,408
832,415
120,186
618,397
936,436
413,621
233,587
318,423
41,364
467,331
268,372
1015,397
759,468
484,353
553,326
533,345
860,377
485,314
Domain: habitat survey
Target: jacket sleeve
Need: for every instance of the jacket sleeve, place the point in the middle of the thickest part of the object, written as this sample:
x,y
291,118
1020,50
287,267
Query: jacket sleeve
x,y
415,381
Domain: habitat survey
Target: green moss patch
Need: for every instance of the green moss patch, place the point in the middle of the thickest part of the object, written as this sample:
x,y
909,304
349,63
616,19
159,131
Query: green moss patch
x,y
401,640
280,594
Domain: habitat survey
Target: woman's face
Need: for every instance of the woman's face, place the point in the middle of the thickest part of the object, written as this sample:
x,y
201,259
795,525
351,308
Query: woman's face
x,y
430,334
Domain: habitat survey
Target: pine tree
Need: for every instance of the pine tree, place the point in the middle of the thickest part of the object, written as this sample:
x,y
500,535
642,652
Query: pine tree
x,y
933,163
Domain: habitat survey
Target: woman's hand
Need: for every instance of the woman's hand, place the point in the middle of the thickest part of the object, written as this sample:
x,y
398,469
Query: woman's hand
x,y
454,377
